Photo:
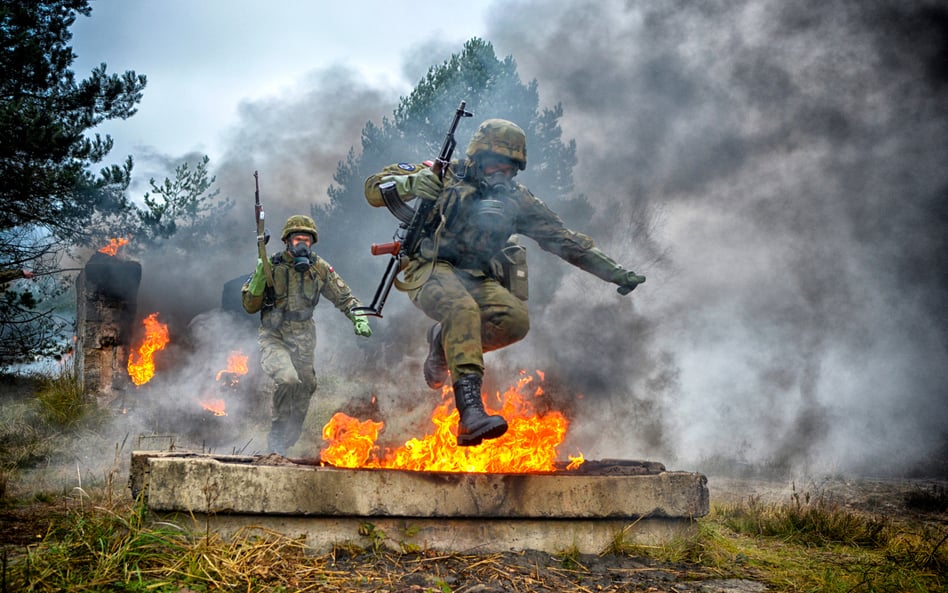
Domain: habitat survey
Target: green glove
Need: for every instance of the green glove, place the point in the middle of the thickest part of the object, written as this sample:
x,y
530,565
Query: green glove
x,y
258,281
627,281
424,184
361,325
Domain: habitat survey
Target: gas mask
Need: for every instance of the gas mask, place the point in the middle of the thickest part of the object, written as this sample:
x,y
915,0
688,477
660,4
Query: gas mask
x,y
497,183
300,253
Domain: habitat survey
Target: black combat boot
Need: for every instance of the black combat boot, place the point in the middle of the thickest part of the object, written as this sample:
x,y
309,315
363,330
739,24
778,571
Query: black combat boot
x,y
436,366
475,425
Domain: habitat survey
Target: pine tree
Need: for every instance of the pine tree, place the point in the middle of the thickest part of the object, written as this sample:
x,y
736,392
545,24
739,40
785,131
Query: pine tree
x,y
47,189
45,116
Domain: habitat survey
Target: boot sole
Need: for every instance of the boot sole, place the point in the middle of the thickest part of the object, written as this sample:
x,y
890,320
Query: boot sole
x,y
475,438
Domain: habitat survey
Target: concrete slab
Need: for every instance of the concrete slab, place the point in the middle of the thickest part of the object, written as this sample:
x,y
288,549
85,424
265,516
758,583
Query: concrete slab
x,y
442,511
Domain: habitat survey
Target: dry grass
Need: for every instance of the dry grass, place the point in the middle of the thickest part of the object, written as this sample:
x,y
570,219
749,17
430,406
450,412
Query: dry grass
x,y
106,550
95,538
798,546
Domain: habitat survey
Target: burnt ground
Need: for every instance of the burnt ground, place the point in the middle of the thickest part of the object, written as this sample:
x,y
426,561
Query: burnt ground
x,y
25,521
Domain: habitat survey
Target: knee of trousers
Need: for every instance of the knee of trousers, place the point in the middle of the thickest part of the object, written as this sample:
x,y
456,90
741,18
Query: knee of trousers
x,y
506,326
517,323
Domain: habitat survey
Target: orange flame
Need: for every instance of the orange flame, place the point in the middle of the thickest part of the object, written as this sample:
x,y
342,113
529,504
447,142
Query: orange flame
x,y
236,364
113,246
216,406
528,446
141,365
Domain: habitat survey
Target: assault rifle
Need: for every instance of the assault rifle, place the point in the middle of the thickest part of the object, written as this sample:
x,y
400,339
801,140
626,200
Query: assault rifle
x,y
263,236
408,234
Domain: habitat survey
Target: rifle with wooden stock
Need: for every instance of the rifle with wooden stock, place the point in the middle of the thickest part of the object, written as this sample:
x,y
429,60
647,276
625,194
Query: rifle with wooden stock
x,y
263,237
412,220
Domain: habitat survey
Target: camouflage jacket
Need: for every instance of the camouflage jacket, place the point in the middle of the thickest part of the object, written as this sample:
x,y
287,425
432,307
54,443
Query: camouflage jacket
x,y
295,294
477,224
469,226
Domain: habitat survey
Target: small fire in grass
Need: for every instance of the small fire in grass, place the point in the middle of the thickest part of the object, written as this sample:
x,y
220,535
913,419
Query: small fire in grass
x,y
228,379
528,446
141,362
113,246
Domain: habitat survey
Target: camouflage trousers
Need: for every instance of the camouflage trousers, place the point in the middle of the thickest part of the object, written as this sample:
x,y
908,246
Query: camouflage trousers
x,y
286,355
476,313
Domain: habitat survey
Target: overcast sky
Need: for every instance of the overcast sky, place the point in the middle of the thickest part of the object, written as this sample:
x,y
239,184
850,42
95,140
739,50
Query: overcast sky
x,y
204,58
776,170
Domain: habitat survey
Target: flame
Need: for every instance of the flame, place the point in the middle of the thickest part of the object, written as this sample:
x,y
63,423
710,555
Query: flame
x,y
216,406
236,364
528,446
113,246
141,366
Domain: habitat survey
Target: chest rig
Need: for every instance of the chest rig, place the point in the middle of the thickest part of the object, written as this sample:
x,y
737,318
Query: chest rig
x,y
478,224
295,294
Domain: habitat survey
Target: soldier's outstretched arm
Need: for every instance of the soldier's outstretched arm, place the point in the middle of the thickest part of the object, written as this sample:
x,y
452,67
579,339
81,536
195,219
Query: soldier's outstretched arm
x,y
601,265
546,228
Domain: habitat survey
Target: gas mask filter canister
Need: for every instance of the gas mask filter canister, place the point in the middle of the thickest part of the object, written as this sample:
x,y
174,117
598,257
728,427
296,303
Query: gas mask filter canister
x,y
300,253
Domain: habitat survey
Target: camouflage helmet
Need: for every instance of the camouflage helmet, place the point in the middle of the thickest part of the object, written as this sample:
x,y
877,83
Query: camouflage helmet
x,y
501,137
299,223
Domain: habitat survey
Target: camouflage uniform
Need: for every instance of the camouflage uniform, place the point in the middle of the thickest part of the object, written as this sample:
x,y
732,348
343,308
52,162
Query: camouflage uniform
x,y
455,276
287,337
478,314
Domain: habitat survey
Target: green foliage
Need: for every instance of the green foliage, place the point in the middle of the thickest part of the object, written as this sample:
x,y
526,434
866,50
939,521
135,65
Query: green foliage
x,y
52,199
25,437
47,154
90,551
27,326
816,546
184,207
45,117
61,400
492,88
806,522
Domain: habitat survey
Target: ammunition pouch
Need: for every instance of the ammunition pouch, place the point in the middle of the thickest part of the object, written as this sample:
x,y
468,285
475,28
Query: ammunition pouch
x,y
509,267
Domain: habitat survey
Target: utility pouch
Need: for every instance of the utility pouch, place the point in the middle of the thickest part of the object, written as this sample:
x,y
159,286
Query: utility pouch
x,y
510,265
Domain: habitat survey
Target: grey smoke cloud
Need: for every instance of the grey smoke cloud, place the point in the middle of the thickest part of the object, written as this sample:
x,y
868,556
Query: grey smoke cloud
x,y
776,171
795,156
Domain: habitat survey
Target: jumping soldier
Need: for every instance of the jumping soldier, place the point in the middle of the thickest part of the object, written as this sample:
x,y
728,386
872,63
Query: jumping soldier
x,y
468,272
287,334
